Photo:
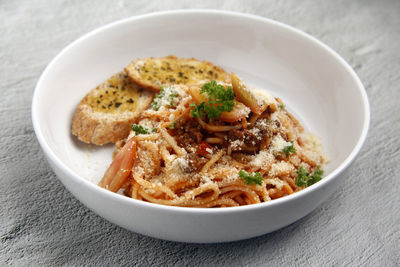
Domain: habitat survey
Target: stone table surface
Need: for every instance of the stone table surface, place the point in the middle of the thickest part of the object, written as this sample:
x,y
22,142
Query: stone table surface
x,y
42,224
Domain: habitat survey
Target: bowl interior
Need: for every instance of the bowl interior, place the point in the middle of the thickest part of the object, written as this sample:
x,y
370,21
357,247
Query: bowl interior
x,y
314,83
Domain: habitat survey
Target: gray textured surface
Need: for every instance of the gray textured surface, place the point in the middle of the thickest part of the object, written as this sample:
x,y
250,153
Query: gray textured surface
x,y
43,224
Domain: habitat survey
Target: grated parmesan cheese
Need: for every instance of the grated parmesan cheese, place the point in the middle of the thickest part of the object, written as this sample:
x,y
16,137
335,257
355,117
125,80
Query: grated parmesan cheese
x,y
280,168
278,143
179,165
237,143
255,131
313,147
262,159
263,97
170,97
232,175
209,150
206,179
275,181
262,124
244,112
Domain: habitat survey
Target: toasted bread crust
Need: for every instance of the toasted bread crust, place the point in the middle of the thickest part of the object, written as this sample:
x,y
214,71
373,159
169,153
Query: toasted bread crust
x,y
152,73
102,124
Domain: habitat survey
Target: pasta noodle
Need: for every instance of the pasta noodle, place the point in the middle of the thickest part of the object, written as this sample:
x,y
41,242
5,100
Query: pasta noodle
x,y
189,161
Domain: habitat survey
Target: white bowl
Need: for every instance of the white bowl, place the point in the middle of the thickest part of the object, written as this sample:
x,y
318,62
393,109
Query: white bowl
x,y
315,83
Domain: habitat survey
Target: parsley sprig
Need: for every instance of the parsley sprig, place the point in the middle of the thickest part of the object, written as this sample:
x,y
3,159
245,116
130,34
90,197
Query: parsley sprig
x,y
248,178
219,100
172,125
304,178
289,149
139,129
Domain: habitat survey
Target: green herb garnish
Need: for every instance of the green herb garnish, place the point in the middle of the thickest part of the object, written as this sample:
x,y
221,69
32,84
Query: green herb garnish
x,y
305,179
172,126
171,98
162,97
198,110
282,106
289,149
139,129
219,100
247,178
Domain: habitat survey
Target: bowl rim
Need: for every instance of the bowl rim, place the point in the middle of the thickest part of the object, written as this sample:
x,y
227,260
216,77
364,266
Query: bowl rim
x,y
224,210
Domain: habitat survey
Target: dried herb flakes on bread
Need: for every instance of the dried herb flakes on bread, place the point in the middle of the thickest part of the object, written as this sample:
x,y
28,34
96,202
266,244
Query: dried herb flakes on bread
x,y
105,114
153,73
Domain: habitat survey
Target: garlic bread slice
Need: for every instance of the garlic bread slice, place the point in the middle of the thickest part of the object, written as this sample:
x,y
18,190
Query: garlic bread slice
x,y
105,114
153,73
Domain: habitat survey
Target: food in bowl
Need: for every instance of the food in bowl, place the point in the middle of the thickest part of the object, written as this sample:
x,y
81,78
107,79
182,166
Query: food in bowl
x,y
316,84
199,142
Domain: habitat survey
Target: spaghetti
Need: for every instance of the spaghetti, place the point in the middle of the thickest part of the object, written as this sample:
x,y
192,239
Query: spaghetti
x,y
252,154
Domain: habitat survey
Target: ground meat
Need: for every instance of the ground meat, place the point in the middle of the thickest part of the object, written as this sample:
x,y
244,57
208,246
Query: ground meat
x,y
188,134
196,162
241,157
250,138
